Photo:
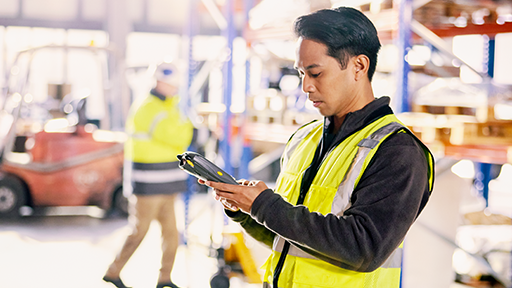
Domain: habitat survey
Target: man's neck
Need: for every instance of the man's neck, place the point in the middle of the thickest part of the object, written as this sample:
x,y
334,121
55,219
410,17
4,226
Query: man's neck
x,y
363,95
159,95
336,123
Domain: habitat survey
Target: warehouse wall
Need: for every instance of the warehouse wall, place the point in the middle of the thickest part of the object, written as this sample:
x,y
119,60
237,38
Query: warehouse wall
x,y
427,256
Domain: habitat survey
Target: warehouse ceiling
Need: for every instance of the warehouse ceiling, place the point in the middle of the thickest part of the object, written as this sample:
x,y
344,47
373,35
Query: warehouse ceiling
x,y
173,16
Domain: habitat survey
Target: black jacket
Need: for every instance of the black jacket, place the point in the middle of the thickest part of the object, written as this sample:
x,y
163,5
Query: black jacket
x,y
391,193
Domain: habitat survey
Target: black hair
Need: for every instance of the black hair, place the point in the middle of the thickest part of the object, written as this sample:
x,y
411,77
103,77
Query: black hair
x,y
345,31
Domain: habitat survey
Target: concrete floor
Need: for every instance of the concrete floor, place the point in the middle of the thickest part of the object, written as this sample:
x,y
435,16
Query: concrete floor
x,y
75,251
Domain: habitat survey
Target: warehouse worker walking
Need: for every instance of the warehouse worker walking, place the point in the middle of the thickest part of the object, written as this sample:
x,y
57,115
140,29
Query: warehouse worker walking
x,y
351,185
157,133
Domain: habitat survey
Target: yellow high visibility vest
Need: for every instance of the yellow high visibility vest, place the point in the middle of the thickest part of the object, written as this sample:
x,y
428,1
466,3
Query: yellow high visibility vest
x,y
330,192
157,131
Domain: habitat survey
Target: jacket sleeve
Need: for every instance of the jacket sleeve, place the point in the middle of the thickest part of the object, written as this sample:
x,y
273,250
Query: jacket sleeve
x,y
390,195
253,228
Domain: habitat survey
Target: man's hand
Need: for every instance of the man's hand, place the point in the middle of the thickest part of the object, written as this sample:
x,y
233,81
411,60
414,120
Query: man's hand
x,y
235,197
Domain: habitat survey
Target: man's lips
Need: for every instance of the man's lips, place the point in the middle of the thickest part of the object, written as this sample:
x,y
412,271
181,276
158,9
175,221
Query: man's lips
x,y
316,103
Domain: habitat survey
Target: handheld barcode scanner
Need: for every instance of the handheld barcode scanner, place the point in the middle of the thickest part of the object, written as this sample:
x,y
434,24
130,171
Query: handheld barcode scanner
x,y
197,165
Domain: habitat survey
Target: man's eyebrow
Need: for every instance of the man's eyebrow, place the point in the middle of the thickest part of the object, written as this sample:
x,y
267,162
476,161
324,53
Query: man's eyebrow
x,y
308,67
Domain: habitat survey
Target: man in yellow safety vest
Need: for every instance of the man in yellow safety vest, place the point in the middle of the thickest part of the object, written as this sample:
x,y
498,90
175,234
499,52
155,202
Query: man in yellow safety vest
x,y
350,186
157,131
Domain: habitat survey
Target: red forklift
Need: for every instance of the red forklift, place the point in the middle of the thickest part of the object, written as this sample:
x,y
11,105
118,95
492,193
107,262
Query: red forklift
x,y
58,142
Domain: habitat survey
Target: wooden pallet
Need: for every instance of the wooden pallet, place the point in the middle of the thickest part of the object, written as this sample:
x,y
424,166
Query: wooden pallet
x,y
265,117
458,129
260,110
461,136
480,113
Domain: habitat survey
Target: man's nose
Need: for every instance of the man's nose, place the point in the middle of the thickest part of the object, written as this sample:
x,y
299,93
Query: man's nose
x,y
307,86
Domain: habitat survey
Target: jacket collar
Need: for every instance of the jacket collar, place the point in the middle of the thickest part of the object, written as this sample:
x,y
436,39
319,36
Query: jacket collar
x,y
357,120
158,94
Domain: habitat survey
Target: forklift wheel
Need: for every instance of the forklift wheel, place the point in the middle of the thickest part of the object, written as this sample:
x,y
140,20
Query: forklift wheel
x,y
120,202
219,280
12,196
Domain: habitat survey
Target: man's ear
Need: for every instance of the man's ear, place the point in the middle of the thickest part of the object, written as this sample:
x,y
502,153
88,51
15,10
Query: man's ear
x,y
361,65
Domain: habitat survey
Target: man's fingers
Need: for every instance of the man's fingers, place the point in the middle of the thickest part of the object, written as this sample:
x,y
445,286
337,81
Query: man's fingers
x,y
238,196
242,181
229,188
229,205
225,194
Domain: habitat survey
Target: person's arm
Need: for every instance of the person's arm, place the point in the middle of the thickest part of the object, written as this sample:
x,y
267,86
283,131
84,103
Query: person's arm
x,y
237,214
253,228
388,198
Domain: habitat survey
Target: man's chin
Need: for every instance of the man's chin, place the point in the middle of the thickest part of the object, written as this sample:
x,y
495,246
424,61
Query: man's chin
x,y
323,112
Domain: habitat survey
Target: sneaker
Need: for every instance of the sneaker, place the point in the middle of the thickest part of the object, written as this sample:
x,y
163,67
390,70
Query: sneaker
x,y
117,282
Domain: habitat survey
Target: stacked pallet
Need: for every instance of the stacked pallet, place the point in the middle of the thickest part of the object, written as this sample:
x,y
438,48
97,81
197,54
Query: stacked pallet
x,y
266,108
457,116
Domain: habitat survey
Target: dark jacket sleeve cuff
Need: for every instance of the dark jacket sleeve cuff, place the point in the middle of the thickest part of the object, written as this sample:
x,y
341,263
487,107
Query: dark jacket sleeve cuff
x,y
260,201
237,216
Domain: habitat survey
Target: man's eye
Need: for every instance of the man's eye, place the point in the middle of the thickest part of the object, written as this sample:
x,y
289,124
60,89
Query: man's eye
x,y
315,75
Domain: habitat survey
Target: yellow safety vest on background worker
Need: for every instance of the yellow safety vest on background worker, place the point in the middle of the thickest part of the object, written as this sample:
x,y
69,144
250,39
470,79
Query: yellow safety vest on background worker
x,y
157,132
330,192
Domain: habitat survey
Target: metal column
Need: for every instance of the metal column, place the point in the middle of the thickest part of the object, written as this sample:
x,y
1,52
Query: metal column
x,y
118,26
243,172
483,170
189,33
404,45
491,48
229,34
482,179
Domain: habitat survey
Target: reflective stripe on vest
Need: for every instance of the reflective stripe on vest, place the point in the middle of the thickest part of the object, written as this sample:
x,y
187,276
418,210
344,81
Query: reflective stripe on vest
x,y
149,134
295,140
341,201
393,261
